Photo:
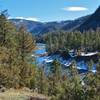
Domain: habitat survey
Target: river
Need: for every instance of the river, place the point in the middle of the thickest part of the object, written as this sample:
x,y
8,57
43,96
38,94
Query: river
x,y
81,62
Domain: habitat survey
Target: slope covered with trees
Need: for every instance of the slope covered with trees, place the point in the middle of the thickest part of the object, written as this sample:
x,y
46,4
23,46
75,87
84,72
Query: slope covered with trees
x,y
65,41
16,47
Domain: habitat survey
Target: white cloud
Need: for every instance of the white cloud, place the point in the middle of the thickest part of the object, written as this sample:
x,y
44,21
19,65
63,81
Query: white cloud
x,y
76,8
26,18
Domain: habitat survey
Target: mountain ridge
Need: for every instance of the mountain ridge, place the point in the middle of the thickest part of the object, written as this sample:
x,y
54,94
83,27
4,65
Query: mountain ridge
x,y
41,28
84,23
93,22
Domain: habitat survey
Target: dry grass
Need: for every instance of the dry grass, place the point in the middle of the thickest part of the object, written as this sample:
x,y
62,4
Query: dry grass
x,y
20,95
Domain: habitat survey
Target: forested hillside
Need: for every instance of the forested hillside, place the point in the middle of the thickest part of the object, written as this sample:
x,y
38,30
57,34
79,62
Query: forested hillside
x,y
16,47
88,41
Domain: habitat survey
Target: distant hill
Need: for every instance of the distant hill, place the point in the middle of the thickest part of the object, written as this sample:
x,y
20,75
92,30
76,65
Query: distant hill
x,y
32,26
93,22
75,23
38,27
41,28
83,23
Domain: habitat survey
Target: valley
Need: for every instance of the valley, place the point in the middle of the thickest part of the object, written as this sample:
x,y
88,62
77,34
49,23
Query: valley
x,y
49,59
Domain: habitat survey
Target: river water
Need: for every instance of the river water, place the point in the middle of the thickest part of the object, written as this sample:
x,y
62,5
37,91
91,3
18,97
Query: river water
x,y
81,63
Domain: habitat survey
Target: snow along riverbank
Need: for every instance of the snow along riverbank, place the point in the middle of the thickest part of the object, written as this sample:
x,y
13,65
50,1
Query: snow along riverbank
x,y
81,63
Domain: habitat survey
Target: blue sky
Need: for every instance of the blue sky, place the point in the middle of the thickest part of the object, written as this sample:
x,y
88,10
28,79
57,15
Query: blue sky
x,y
49,10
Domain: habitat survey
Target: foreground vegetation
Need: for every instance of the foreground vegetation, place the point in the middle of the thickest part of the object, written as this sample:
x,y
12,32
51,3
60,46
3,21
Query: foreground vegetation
x,y
16,47
17,70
